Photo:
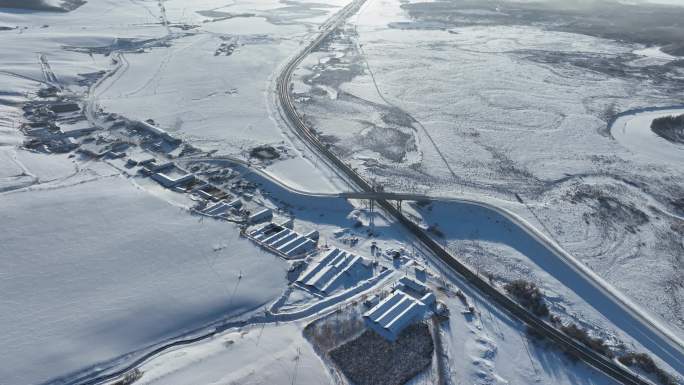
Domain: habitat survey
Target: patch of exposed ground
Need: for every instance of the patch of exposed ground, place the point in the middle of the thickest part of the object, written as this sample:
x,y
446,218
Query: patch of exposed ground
x,y
264,153
639,23
391,143
670,128
372,360
607,209
614,65
385,130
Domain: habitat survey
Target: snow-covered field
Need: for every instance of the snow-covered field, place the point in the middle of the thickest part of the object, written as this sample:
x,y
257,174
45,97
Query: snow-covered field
x,y
493,349
227,99
492,243
95,267
510,114
97,264
257,355
203,70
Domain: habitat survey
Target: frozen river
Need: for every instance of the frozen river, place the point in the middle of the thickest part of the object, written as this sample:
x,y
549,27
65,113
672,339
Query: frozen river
x,y
632,129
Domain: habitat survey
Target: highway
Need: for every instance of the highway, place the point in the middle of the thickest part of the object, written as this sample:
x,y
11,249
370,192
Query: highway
x,y
366,191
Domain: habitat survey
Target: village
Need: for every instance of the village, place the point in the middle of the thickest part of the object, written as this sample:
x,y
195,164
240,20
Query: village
x,y
399,294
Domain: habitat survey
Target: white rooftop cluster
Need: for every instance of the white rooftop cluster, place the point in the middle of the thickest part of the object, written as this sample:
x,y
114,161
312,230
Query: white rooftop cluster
x,y
171,182
167,174
284,241
410,302
222,208
155,131
336,269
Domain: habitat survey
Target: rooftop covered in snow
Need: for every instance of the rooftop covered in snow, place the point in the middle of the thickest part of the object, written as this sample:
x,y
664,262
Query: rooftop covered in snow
x,y
284,241
399,310
338,268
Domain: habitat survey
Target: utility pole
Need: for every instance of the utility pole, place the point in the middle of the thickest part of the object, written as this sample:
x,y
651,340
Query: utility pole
x,y
294,376
371,204
371,214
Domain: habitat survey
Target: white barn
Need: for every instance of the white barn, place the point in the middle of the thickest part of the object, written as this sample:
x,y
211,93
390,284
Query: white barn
x,y
261,216
338,268
170,182
399,310
283,241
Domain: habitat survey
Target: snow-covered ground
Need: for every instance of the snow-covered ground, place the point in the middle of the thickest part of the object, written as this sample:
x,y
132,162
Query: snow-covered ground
x,y
256,355
95,267
203,70
485,348
492,243
98,264
490,348
493,111
223,101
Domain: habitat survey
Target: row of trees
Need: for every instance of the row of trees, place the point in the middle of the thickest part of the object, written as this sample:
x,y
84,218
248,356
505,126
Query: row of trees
x,y
645,362
531,297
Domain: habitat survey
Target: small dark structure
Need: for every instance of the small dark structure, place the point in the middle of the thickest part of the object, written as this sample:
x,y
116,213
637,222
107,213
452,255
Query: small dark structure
x,y
60,108
264,153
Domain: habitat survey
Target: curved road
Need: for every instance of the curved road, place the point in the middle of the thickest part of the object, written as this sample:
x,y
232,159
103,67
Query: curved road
x,y
664,343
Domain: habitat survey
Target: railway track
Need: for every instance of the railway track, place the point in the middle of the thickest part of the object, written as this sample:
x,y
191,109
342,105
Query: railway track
x,y
309,137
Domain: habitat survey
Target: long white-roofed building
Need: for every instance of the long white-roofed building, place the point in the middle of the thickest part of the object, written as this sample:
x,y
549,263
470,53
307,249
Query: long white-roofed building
x,y
397,311
283,241
338,268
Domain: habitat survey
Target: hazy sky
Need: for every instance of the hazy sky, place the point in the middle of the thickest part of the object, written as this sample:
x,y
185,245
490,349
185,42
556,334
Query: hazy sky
x,y
669,2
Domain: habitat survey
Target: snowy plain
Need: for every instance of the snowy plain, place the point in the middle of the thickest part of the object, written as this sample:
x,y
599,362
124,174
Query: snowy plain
x,y
173,273
515,115
94,268
258,355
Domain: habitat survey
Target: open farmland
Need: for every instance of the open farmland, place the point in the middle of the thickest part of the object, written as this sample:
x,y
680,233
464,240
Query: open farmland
x,y
95,269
